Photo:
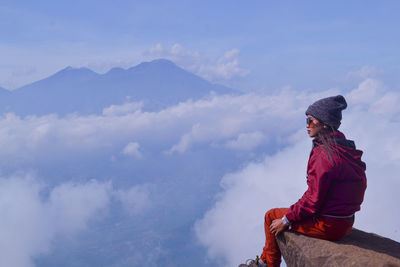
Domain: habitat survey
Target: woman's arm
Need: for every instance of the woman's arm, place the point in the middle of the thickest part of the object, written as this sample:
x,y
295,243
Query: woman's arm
x,y
319,173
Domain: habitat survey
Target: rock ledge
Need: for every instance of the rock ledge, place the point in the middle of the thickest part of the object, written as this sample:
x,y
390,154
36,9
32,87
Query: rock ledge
x,y
357,249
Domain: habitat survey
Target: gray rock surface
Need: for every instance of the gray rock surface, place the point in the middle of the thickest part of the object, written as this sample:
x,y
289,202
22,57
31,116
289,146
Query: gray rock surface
x,y
357,249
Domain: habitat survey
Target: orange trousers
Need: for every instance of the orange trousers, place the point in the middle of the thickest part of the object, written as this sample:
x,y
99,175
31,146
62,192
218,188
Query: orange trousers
x,y
320,227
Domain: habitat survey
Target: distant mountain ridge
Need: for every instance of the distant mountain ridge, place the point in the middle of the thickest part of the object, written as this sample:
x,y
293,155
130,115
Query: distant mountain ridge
x,y
159,83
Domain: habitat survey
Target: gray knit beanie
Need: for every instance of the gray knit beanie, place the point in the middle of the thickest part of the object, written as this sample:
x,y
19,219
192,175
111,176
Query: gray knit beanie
x,y
328,110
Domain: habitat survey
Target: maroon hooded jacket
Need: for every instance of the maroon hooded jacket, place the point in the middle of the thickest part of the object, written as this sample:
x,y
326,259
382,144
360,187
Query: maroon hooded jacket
x,y
336,180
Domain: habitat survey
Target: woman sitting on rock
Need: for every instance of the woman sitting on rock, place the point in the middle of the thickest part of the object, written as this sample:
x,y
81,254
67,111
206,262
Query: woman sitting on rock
x,y
336,184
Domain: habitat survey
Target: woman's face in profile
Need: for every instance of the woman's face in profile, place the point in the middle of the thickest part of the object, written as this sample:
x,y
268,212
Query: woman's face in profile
x,y
313,126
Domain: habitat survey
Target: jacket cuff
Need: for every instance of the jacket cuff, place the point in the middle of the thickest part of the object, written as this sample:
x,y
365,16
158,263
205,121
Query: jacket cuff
x,y
285,221
290,216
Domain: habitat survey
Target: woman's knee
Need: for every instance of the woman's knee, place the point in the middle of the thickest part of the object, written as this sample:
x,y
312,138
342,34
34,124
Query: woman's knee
x,y
276,213
269,215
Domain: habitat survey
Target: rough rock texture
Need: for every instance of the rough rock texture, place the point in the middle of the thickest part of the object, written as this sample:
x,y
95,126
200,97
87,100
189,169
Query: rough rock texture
x,y
357,249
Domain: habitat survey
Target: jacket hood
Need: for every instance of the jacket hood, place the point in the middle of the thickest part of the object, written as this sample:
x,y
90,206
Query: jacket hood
x,y
345,148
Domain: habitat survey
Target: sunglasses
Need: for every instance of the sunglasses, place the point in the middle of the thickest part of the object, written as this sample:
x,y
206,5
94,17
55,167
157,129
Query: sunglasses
x,y
310,122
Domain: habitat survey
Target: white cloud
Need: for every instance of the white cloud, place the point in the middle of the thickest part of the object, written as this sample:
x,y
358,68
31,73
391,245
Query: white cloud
x,y
216,119
134,200
368,91
247,141
388,104
182,146
32,219
241,122
238,114
364,73
30,223
225,67
115,110
132,149
72,205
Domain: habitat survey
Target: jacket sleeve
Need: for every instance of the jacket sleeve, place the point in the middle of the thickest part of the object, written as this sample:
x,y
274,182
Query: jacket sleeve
x,y
318,181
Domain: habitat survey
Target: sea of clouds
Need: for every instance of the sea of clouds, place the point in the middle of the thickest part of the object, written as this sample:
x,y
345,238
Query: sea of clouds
x,y
215,165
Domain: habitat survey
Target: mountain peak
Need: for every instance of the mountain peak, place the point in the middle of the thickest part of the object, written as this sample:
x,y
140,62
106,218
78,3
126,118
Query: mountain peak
x,y
68,68
157,63
71,71
162,61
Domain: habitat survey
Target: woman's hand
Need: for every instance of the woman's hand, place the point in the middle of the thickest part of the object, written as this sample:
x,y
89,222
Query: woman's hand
x,y
277,226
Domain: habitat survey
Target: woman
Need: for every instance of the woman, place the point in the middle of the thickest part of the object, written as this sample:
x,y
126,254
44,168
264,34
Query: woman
x,y
336,184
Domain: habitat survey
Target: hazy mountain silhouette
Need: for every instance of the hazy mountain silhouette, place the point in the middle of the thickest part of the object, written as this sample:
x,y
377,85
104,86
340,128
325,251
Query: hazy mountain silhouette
x,y
158,84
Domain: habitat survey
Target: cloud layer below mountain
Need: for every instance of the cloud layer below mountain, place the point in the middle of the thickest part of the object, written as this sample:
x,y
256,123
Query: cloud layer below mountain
x,y
263,132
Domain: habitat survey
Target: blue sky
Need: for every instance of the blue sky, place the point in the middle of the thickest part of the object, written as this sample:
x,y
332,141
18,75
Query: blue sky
x,y
307,45
222,153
